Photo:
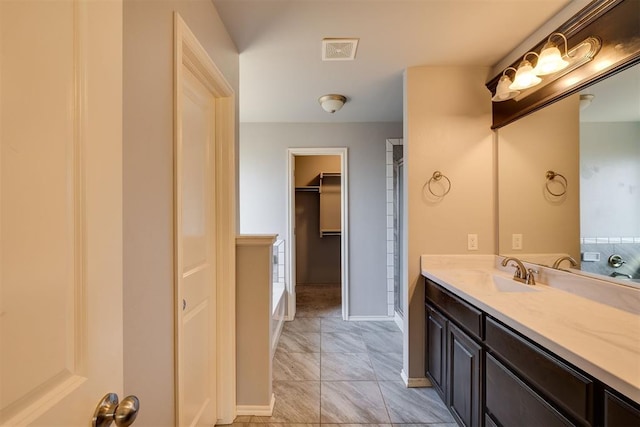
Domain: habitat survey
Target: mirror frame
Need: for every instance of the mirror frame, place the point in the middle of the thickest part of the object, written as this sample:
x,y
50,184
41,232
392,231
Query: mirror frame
x,y
615,22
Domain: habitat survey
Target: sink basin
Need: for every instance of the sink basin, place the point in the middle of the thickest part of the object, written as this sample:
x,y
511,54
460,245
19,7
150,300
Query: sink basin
x,y
486,281
502,284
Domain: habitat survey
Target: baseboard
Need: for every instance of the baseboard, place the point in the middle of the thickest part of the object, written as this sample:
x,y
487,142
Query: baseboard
x,y
370,318
399,321
415,382
257,410
276,337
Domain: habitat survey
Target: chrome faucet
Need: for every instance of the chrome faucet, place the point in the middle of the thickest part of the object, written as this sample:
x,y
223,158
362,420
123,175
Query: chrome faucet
x,y
616,274
522,274
557,263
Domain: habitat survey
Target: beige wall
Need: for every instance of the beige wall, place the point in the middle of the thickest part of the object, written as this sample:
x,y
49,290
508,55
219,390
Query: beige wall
x,y
308,168
548,139
254,270
148,190
447,128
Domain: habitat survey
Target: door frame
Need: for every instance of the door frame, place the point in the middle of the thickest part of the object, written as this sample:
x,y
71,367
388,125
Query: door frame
x,y
290,249
392,217
189,52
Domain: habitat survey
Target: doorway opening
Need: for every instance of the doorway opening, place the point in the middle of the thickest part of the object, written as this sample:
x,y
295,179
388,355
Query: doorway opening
x,y
318,230
395,230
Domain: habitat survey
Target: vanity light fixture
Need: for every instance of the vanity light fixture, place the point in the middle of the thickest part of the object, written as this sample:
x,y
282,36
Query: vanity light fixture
x,y
551,64
332,102
503,91
525,76
550,59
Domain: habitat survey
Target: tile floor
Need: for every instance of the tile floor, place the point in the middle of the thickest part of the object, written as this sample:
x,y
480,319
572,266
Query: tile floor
x,y
329,371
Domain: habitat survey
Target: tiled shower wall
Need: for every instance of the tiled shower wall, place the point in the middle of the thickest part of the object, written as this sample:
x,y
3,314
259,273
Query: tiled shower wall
x,y
392,255
627,247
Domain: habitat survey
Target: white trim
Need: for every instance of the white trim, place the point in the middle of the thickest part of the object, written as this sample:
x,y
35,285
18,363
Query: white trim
x,y
399,321
415,382
190,53
256,239
344,238
257,410
370,318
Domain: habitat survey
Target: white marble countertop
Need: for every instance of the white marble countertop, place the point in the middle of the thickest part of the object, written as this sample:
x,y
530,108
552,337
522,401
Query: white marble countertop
x,y
564,312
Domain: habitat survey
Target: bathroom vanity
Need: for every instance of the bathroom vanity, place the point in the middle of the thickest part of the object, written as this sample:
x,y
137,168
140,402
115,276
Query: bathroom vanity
x,y
503,353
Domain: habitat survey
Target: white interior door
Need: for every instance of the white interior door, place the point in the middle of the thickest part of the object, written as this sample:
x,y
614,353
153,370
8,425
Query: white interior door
x,y
60,209
195,251
205,237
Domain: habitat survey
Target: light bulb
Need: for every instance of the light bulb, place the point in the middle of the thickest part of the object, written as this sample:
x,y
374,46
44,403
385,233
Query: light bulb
x,y
525,77
550,60
503,92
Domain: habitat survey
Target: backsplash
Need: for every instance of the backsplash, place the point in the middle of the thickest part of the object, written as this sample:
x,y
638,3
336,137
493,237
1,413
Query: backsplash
x,y
627,247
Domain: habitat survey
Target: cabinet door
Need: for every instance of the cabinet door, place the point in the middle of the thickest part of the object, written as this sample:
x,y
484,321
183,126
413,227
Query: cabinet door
x,y
619,413
436,362
464,387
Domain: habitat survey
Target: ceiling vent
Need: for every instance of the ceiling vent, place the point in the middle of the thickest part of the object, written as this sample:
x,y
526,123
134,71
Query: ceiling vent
x,y
339,49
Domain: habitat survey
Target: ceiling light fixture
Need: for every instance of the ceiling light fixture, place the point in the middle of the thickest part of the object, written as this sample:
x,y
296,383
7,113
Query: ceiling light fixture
x,y
332,102
525,77
585,100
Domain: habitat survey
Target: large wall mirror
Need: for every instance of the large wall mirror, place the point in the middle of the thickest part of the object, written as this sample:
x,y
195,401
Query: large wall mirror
x,y
592,139
569,172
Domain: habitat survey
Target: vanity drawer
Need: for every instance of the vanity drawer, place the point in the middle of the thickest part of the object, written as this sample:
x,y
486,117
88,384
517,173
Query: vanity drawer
x,y
617,412
511,402
464,314
571,391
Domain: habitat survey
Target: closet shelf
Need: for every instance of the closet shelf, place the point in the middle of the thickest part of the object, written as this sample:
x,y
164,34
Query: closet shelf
x,y
312,188
329,174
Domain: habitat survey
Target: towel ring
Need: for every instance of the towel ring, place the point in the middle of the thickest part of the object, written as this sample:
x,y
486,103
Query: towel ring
x,y
436,177
551,176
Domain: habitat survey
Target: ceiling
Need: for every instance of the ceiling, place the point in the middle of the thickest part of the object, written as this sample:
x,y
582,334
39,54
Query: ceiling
x,y
280,44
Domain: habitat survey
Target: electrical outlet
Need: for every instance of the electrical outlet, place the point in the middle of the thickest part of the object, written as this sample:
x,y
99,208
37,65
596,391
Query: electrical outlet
x,y
472,242
516,241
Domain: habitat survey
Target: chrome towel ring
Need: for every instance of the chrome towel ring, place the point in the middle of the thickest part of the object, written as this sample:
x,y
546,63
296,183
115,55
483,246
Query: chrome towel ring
x,y
554,176
436,177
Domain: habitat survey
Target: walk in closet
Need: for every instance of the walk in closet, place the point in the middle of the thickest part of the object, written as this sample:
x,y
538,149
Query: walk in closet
x,y
318,223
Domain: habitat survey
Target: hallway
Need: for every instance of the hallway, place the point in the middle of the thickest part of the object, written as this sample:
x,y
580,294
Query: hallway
x,y
329,371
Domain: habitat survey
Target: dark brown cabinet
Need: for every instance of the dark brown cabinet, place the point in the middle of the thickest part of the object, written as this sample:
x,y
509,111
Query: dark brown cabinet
x,y
553,379
488,374
619,413
510,402
453,356
436,349
464,386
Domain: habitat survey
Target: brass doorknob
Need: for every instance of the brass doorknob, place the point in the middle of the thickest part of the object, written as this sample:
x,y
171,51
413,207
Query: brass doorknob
x,y
109,410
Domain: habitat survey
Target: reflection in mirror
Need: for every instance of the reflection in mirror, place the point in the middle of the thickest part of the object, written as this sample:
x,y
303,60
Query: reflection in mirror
x,y
534,224
596,147
610,176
